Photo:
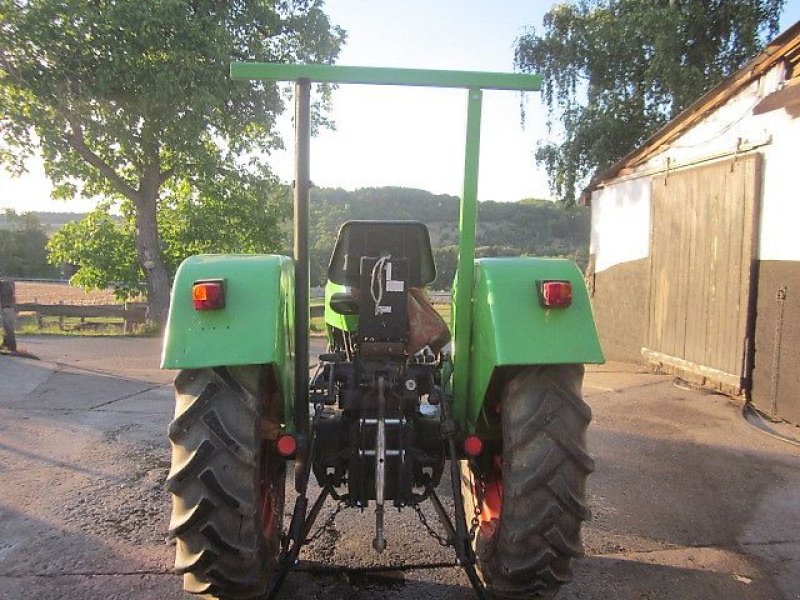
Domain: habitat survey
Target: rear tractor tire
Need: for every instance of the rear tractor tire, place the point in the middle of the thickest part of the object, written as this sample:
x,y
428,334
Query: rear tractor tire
x,y
227,483
526,544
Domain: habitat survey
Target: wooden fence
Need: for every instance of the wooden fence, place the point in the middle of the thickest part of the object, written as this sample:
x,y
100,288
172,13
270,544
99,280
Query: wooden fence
x,y
133,313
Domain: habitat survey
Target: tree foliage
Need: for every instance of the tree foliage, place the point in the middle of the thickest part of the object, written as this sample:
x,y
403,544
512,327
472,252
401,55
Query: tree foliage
x,y
102,243
131,100
530,226
22,247
615,71
102,246
102,250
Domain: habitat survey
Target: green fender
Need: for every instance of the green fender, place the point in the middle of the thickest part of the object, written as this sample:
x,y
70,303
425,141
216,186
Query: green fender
x,y
254,328
510,327
334,319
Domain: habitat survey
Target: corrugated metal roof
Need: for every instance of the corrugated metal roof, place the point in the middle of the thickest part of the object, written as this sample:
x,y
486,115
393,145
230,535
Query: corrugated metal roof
x,y
784,47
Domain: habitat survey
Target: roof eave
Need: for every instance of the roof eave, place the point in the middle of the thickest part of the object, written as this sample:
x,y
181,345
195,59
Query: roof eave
x,y
708,102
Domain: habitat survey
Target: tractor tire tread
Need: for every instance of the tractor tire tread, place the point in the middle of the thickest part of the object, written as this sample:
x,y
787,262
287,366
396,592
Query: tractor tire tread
x,y
545,465
217,541
197,562
213,485
184,471
190,520
216,519
178,426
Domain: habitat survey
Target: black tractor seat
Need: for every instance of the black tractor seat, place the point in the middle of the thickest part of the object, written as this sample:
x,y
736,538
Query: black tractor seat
x,y
400,239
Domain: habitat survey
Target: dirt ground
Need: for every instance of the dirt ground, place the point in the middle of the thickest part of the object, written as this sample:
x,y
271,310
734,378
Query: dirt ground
x,y
53,293
688,500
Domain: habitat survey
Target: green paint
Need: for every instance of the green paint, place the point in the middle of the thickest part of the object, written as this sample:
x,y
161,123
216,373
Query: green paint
x,y
255,327
334,319
511,328
497,319
383,76
462,313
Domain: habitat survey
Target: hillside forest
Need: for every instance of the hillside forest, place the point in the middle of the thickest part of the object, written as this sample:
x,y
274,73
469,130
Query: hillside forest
x,y
528,227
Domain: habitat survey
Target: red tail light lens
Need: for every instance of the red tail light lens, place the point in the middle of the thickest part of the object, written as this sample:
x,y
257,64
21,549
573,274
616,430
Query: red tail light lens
x,y
287,446
208,295
473,446
555,294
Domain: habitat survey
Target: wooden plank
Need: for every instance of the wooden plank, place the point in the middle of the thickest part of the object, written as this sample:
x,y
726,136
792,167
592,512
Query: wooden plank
x,y
714,235
702,253
683,258
691,317
673,364
670,244
658,216
740,284
85,310
660,316
704,264
720,232
750,265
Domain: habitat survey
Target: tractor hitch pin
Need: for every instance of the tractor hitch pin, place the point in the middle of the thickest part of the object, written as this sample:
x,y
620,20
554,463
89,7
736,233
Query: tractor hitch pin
x,y
379,543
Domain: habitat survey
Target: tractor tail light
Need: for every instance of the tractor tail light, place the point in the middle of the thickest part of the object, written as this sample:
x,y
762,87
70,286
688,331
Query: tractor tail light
x,y
555,294
473,446
208,295
287,445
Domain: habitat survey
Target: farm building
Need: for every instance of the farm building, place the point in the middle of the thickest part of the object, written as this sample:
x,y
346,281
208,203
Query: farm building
x,y
696,238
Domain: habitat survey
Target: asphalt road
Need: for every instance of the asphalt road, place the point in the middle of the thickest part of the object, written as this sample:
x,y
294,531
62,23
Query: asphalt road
x,y
688,500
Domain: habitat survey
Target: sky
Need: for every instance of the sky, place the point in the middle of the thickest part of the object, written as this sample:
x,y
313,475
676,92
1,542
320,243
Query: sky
x,y
407,136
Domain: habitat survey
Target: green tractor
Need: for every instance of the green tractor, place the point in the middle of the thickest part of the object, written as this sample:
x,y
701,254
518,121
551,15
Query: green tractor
x,y
398,400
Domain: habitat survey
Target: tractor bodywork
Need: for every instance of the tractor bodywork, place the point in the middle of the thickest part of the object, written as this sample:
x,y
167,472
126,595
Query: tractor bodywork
x,y
255,327
394,398
510,327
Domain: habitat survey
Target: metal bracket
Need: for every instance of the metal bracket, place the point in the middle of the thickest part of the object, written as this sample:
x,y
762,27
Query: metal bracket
x,y
379,542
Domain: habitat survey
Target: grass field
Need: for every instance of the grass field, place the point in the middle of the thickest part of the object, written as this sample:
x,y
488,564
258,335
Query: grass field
x,y
28,324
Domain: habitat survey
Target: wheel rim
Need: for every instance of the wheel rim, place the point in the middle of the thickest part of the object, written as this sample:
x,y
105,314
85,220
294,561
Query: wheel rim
x,y
492,506
267,493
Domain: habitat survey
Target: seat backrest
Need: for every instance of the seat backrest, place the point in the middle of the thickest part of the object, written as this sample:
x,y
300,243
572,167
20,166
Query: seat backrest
x,y
401,239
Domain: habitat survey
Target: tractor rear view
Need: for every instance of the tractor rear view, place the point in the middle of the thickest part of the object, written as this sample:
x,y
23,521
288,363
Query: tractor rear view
x,y
399,400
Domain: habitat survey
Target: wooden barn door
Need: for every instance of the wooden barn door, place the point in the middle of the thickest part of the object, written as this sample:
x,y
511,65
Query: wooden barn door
x,y
703,244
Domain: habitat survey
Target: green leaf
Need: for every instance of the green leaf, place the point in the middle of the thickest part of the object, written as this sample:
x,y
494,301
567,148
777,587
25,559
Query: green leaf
x,y
615,71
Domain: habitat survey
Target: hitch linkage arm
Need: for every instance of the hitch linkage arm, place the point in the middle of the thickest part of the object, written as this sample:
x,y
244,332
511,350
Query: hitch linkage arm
x,y
462,541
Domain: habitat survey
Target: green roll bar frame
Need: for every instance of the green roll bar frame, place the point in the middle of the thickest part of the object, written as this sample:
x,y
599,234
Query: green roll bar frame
x,y
473,81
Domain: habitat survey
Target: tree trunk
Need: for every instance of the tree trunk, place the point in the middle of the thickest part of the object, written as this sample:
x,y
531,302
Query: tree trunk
x,y
149,253
145,199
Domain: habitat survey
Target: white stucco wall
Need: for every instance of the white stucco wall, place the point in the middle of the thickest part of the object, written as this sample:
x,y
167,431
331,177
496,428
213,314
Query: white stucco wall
x,y
780,208
621,223
621,210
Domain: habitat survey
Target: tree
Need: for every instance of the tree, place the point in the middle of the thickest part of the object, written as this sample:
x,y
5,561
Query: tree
x,y
131,100
529,227
104,252
22,247
615,71
231,219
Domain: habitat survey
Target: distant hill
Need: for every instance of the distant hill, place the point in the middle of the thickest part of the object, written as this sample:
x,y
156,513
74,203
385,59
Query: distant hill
x,y
528,227
50,221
